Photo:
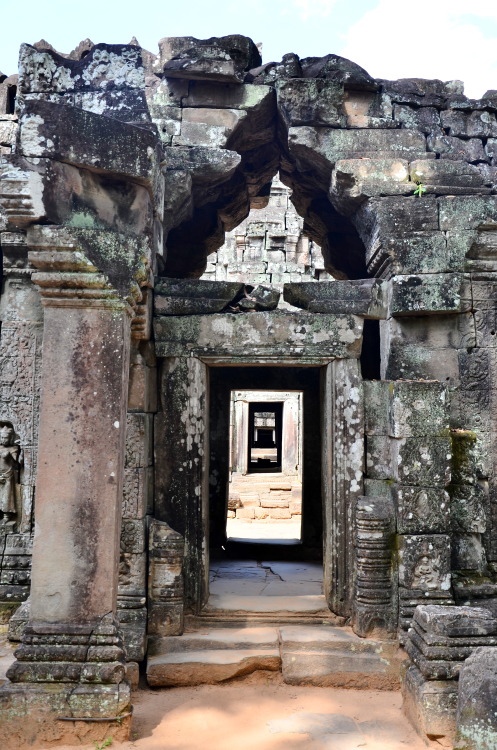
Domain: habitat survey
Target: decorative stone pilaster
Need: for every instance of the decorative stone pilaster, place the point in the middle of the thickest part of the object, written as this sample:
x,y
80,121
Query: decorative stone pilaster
x,y
165,580
72,640
375,610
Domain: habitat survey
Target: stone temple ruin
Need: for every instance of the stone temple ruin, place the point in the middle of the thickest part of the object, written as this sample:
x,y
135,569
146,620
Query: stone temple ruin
x,y
127,328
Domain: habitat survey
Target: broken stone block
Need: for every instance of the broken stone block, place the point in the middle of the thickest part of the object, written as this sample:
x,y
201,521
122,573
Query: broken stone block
x,y
311,101
183,297
429,294
339,69
88,139
264,297
476,718
364,297
456,622
224,59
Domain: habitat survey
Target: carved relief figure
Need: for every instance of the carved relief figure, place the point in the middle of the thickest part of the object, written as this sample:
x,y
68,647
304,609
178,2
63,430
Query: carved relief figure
x,y
426,573
9,470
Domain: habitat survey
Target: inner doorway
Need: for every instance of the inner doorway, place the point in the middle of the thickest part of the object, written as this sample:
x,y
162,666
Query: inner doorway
x,y
265,467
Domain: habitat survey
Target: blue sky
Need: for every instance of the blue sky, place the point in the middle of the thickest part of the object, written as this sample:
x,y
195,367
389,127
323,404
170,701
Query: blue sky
x,y
390,38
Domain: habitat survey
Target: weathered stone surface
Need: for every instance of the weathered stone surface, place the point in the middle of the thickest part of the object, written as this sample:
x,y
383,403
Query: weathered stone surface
x,y
444,172
216,59
88,139
374,610
364,297
422,510
430,705
182,297
476,723
456,622
339,69
332,145
458,213
422,461
356,180
447,147
314,101
271,335
429,294
332,657
212,656
424,562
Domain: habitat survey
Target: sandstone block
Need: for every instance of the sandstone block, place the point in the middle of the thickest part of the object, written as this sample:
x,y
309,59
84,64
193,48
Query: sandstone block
x,y
280,513
476,718
424,563
365,297
428,294
245,513
314,101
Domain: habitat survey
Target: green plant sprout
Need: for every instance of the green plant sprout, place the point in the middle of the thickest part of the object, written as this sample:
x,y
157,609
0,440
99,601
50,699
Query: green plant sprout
x,y
420,189
102,745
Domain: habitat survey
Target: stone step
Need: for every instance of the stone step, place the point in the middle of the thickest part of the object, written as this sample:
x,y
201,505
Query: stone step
x,y
215,639
318,655
208,657
336,657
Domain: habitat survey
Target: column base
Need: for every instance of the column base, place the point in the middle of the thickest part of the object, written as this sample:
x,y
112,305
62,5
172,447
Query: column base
x,y
35,713
430,705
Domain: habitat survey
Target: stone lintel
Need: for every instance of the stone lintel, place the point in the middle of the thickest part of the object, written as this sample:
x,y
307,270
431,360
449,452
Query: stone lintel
x,y
260,336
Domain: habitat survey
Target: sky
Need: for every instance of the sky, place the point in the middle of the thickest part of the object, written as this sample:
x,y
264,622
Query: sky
x,y
446,39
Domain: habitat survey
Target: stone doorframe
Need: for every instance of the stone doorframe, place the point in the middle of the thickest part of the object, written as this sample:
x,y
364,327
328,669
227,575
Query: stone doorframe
x,y
291,459
189,346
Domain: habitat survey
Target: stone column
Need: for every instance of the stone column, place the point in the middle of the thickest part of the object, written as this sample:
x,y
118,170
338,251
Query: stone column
x,y
72,639
342,475
182,468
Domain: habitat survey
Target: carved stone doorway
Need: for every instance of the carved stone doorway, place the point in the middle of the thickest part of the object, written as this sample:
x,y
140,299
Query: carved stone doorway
x,y
188,460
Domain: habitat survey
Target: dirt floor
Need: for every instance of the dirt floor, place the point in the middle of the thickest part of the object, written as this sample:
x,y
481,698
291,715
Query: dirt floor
x,y
265,714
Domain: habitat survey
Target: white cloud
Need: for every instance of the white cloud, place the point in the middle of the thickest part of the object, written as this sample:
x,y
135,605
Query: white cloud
x,y
308,8
427,39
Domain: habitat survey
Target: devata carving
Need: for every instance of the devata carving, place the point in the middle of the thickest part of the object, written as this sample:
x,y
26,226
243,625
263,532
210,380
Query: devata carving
x,y
9,472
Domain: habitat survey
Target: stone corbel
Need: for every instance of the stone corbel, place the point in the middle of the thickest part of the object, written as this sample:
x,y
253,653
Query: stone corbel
x,y
67,277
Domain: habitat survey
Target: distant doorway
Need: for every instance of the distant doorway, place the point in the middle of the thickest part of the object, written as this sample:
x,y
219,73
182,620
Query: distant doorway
x,y
265,476
264,438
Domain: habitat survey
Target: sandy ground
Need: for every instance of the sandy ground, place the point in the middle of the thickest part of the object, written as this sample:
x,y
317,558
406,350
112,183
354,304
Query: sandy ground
x,y
260,712
267,715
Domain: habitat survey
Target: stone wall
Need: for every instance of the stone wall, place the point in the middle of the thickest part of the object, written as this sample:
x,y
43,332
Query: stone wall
x,y
268,247
122,172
